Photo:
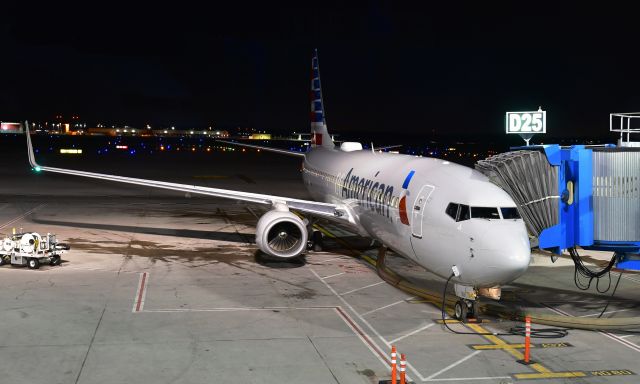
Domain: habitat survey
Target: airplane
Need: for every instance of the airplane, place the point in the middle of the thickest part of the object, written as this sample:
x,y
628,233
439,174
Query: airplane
x,y
448,218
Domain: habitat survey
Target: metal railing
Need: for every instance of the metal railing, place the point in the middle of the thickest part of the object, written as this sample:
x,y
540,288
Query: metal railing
x,y
625,123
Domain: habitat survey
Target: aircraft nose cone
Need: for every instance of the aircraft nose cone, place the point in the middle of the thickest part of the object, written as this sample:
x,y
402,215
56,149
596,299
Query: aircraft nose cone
x,y
517,255
505,259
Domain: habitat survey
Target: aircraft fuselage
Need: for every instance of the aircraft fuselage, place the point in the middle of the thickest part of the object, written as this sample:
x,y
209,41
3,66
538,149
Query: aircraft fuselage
x,y
402,201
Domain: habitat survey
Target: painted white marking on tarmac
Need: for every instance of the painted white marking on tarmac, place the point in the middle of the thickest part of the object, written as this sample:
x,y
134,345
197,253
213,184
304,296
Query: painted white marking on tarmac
x,y
411,333
606,313
613,337
334,275
448,367
387,306
365,322
141,293
22,216
334,259
366,340
470,379
365,287
232,309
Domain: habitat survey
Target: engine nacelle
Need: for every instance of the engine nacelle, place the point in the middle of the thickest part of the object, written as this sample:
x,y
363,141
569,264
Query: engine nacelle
x,y
281,233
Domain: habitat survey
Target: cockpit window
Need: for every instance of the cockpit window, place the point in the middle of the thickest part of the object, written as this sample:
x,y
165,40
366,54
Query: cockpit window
x,y
510,213
464,213
484,213
452,210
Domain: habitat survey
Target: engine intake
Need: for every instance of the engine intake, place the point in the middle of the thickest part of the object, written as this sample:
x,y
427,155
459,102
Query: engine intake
x,y
281,233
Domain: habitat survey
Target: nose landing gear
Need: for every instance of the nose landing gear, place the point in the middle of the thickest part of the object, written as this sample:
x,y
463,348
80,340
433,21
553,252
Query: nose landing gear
x,y
466,308
467,311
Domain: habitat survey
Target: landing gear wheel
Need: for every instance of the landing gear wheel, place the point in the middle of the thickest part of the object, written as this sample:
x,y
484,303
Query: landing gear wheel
x,y
315,242
1,260
475,312
33,263
461,310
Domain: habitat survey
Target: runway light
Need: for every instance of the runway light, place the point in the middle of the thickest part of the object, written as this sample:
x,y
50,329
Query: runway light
x,y
122,146
162,147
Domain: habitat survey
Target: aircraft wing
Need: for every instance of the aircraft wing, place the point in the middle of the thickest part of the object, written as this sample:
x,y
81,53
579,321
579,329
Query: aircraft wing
x,y
324,210
263,148
387,147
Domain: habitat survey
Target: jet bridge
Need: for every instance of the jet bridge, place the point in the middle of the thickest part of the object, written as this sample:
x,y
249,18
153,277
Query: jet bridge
x,y
587,196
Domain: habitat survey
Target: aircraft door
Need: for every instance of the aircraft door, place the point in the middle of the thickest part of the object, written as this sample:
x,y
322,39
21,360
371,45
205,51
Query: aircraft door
x,y
419,206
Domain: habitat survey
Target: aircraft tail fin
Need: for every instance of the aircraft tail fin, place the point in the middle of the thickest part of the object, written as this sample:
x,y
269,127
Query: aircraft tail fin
x,y
319,135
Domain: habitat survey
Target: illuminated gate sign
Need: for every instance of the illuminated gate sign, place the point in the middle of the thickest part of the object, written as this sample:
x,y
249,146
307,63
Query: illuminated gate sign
x,y
532,122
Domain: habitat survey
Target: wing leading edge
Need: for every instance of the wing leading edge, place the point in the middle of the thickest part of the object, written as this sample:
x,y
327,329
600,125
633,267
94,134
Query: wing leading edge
x,y
318,209
263,148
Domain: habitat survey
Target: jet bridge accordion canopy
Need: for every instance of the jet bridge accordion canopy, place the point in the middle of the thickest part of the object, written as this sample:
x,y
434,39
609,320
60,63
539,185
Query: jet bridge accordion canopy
x,y
573,196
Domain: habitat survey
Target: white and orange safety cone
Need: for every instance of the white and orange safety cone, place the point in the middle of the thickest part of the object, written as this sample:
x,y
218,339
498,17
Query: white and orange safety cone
x,y
403,368
394,369
527,342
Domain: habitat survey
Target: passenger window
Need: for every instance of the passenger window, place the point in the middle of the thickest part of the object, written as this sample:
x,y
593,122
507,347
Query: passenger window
x,y
452,210
510,213
464,213
484,213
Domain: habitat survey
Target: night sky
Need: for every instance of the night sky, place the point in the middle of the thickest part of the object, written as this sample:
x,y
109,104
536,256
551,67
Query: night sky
x,y
386,66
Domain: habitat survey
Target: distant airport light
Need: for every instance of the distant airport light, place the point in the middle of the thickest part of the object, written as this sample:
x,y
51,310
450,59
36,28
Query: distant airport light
x,y
122,147
73,151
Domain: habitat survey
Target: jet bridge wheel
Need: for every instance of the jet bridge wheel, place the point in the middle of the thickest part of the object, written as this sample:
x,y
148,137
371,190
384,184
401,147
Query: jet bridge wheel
x,y
55,260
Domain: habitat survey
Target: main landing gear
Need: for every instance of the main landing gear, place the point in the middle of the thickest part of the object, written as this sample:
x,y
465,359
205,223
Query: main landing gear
x,y
314,242
466,308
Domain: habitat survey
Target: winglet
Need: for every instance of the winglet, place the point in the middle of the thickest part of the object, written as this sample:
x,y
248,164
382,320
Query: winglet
x,y
32,158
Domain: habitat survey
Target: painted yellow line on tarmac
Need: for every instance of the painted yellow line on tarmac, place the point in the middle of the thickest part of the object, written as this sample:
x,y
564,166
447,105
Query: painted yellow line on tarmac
x,y
493,346
549,375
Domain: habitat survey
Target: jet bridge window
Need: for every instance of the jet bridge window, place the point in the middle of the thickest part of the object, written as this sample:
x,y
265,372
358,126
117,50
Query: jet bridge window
x,y
510,213
484,213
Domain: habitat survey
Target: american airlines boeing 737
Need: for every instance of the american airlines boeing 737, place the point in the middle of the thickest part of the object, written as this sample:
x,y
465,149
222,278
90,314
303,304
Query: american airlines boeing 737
x,y
448,218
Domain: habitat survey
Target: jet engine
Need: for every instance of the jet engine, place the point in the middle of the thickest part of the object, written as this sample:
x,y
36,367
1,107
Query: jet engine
x,y
281,233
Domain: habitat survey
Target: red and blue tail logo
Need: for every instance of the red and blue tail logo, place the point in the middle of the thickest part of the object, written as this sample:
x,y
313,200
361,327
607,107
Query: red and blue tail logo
x,y
319,134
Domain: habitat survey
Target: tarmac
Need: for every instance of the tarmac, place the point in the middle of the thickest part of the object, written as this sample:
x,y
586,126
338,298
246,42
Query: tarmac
x,y
159,287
